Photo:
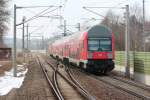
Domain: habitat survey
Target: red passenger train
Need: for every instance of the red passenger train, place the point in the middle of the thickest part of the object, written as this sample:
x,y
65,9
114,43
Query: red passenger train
x,y
92,50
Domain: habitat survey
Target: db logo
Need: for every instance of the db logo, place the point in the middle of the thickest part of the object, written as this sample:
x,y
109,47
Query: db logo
x,y
100,55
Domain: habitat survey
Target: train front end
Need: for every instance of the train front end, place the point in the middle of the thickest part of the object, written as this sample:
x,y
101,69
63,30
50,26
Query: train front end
x,y
100,49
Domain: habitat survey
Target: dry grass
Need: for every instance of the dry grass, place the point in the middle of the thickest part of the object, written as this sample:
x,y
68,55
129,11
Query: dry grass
x,y
7,65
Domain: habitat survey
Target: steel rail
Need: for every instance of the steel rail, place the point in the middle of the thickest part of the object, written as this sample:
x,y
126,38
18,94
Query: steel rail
x,y
132,83
121,88
78,84
56,83
72,83
49,81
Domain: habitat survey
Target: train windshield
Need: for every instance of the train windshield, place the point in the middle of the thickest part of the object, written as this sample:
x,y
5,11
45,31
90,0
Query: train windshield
x,y
100,44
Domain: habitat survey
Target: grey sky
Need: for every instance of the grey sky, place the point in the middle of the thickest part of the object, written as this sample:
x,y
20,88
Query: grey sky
x,y
72,12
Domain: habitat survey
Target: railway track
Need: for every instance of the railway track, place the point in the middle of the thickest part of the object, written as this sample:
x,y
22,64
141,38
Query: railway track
x,y
138,90
128,87
75,84
54,84
78,84
142,86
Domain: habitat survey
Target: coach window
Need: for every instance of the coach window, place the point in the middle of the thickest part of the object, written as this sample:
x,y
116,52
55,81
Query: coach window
x,y
83,44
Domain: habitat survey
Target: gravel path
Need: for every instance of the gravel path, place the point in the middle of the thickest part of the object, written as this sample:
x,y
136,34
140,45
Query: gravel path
x,y
101,90
34,86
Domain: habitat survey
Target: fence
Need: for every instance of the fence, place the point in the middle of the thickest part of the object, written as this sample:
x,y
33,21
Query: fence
x,y
139,60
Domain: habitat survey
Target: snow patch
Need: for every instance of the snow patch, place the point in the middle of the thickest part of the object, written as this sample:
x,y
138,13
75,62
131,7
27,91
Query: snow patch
x,y
122,69
8,82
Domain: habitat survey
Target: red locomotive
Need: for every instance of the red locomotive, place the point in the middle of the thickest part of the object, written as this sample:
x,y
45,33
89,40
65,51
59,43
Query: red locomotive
x,y
92,50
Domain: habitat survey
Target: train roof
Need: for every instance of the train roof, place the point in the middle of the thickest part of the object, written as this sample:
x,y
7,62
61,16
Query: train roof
x,y
99,31
66,39
94,32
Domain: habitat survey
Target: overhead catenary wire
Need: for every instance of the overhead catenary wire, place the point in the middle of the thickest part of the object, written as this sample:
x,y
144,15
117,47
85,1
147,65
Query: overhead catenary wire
x,y
120,3
64,4
93,12
105,7
36,15
51,11
113,7
39,28
37,6
46,27
32,12
36,29
39,14
42,27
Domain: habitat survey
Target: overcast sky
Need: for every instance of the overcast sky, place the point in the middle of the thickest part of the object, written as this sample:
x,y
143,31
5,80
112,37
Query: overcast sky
x,y
72,11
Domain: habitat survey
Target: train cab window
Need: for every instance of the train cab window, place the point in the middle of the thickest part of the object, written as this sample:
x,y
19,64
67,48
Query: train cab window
x,y
101,44
105,44
93,45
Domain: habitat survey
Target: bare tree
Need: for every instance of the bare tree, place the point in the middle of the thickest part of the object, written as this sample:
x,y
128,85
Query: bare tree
x,y
3,18
136,28
114,22
136,10
118,27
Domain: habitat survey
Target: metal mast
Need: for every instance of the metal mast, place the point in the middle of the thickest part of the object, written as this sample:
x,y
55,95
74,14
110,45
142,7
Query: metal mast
x,y
127,44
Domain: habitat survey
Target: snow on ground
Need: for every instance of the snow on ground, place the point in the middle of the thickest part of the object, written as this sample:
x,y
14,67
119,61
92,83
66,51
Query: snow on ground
x,y
8,82
122,69
143,78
